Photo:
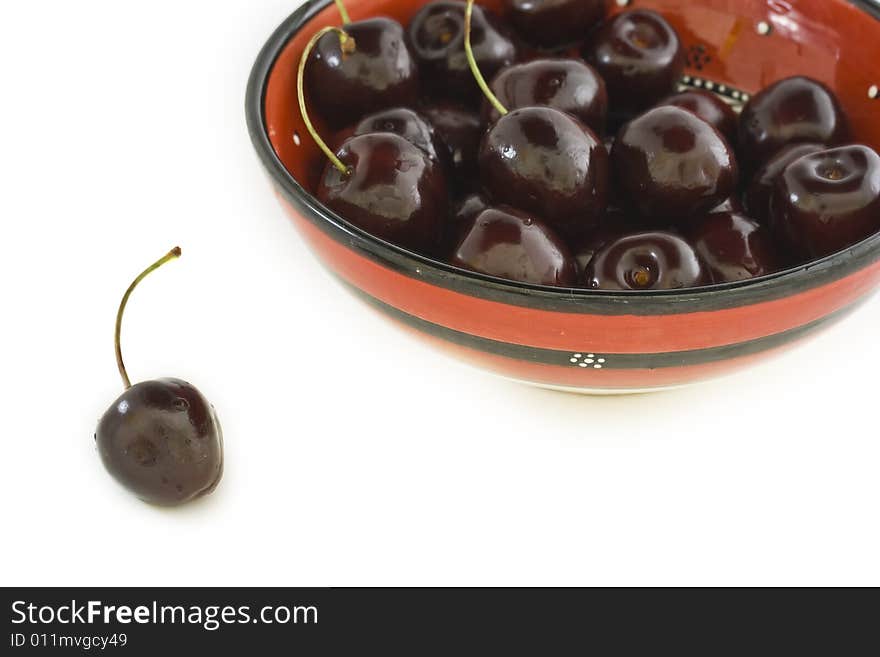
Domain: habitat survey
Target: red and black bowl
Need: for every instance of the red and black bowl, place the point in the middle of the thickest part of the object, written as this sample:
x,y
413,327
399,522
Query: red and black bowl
x,y
586,340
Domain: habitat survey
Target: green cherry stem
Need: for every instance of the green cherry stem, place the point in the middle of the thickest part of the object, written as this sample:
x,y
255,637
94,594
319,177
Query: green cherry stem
x,y
342,12
347,44
171,255
472,62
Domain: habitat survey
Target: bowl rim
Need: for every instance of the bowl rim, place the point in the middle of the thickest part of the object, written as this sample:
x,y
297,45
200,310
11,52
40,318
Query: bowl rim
x,y
771,286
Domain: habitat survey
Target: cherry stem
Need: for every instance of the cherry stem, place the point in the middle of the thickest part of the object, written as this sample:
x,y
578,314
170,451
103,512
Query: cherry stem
x,y
346,43
642,277
342,12
472,62
171,255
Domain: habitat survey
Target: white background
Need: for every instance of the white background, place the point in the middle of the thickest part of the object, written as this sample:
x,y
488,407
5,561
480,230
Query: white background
x,y
355,455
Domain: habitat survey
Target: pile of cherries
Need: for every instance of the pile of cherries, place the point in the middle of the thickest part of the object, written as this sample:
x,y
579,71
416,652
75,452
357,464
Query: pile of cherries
x,y
577,164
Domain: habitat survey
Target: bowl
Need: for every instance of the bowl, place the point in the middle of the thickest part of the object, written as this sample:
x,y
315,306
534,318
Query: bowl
x,y
588,340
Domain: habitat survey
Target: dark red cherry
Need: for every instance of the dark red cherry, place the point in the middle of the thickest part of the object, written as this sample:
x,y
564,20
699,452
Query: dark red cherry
x,y
469,208
553,23
460,131
568,85
392,190
546,162
613,225
162,441
380,73
586,248
760,190
670,164
710,108
613,195
409,125
511,244
640,57
734,247
646,261
463,215
608,141
827,201
436,37
732,204
792,110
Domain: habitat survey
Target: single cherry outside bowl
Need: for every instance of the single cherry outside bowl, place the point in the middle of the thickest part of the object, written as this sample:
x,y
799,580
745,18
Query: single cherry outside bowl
x,y
590,340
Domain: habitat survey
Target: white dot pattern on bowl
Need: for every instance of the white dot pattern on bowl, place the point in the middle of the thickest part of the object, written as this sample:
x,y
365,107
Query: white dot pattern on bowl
x,y
585,361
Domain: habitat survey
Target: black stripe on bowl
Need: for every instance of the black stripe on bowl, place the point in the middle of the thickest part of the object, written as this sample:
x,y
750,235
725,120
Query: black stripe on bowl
x,y
596,360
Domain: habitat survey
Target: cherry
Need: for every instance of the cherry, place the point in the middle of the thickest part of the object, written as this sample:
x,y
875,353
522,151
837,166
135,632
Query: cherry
x,y
792,110
733,247
640,57
608,141
380,182
568,85
646,261
369,70
732,204
613,195
613,225
541,160
436,37
409,125
469,208
585,249
463,215
545,161
554,23
760,190
710,108
460,131
388,187
670,164
160,439
827,201
511,244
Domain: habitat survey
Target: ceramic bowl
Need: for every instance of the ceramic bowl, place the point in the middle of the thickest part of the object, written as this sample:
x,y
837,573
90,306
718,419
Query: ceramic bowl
x,y
585,340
